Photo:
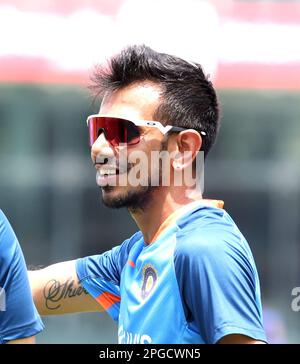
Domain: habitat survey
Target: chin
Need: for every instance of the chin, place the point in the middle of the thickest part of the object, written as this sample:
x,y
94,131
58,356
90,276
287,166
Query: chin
x,y
133,199
114,197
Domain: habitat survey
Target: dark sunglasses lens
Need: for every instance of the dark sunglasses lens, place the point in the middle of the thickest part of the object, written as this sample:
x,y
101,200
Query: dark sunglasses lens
x,y
94,130
116,130
123,131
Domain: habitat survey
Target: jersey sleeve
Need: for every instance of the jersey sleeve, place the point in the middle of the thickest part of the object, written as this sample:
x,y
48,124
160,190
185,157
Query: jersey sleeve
x,y
100,276
219,284
18,315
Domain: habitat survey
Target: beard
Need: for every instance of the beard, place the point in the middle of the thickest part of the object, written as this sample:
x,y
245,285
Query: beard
x,y
134,200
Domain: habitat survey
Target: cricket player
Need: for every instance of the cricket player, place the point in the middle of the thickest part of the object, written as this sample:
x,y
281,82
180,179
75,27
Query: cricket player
x,y
187,275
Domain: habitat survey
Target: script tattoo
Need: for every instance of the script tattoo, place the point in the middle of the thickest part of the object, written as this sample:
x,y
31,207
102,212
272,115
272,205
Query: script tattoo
x,y
55,292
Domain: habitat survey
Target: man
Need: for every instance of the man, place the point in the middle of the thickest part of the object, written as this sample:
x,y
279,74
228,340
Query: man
x,y
19,320
187,275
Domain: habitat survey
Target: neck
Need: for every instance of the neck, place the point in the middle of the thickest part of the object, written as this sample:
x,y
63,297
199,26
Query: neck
x,y
158,209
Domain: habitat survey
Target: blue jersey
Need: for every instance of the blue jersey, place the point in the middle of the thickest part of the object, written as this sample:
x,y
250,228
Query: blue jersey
x,y
195,283
18,316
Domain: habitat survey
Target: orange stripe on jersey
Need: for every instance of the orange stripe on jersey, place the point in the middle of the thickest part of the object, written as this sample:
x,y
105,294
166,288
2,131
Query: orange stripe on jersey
x,y
131,263
215,203
107,299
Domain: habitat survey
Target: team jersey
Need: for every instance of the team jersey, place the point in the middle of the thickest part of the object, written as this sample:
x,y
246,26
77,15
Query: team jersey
x,y
195,283
18,316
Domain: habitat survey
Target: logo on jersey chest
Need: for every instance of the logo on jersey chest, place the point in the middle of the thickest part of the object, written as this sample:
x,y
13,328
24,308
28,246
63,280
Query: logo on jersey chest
x,y
149,280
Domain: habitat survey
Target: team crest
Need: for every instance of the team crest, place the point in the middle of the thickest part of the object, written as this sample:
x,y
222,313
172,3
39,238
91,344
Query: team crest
x,y
149,280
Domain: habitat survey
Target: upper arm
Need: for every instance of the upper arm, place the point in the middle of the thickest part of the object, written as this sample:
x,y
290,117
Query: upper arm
x,y
83,285
220,287
18,316
56,290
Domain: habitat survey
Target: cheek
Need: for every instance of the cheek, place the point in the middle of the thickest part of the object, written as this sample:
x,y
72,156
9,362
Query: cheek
x,y
146,153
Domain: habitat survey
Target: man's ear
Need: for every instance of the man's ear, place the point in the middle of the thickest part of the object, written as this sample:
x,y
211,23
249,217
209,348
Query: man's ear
x,y
189,143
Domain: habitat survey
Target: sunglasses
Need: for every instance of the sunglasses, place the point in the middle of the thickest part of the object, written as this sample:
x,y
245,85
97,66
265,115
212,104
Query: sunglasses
x,y
123,131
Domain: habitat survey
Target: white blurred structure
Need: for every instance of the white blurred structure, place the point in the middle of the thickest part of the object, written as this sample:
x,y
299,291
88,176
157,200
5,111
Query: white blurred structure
x,y
239,42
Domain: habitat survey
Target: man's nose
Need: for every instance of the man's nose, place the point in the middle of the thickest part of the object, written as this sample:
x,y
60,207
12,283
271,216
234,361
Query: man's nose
x,y
101,149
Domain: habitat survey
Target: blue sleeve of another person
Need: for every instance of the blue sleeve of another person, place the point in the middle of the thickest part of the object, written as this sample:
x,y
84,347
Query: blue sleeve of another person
x,y
219,284
18,315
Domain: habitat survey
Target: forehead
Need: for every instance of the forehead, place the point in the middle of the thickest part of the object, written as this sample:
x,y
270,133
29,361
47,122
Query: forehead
x,y
137,101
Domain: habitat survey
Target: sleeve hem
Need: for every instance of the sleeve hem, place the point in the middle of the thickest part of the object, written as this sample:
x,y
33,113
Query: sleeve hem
x,y
20,333
225,330
80,270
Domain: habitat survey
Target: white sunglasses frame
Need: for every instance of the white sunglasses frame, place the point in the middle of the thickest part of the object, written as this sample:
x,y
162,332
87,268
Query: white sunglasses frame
x,y
149,123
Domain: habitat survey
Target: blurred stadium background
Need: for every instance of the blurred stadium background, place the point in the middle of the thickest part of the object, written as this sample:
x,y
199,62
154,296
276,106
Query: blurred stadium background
x,y
48,190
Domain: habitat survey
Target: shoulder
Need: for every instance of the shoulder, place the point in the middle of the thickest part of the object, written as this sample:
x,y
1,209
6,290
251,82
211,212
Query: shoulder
x,y
120,252
4,226
109,263
211,237
129,243
9,245
6,230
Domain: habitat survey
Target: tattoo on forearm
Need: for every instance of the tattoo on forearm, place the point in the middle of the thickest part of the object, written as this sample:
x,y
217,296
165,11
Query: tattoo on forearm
x,y
55,292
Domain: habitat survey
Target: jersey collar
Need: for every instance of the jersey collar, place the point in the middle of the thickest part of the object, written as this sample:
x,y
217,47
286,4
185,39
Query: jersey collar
x,y
184,210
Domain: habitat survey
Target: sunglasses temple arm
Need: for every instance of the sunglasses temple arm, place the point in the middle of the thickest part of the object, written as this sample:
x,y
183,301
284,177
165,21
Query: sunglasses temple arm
x,y
178,128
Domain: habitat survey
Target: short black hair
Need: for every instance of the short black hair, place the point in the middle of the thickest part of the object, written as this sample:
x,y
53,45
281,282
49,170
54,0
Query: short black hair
x,y
188,97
